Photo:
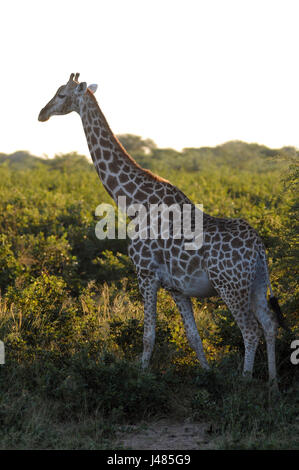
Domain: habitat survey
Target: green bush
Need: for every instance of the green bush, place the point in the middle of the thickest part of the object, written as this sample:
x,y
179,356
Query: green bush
x,y
71,315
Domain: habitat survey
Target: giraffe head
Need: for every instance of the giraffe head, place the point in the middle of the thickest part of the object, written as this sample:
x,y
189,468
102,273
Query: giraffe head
x,y
67,98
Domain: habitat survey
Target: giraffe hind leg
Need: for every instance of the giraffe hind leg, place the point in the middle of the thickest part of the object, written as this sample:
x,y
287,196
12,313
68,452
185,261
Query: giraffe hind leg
x,y
268,322
251,332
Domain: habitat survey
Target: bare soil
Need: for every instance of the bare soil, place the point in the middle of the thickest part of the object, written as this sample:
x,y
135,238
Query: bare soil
x,y
166,435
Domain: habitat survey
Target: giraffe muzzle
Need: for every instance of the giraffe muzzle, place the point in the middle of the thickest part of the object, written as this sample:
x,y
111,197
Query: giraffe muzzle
x,y
43,116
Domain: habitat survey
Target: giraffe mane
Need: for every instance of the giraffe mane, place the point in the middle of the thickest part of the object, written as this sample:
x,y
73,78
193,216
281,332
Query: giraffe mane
x,y
121,147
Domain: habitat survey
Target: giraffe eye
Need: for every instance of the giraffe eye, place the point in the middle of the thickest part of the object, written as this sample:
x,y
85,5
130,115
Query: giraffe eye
x,y
61,96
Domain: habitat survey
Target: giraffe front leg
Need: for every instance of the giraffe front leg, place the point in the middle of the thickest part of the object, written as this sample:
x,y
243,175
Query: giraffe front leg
x,y
148,287
185,307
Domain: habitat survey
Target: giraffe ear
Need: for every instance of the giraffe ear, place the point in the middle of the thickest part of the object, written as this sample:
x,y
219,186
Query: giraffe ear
x,y
81,88
93,88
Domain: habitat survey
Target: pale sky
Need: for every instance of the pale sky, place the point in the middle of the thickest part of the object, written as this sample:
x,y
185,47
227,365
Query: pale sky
x,y
186,73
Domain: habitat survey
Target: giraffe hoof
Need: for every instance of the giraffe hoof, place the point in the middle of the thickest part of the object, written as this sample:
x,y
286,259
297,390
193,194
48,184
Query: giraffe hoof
x,y
247,376
273,389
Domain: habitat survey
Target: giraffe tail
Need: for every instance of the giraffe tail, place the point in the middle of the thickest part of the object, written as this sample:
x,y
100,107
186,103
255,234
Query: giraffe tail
x,y
272,300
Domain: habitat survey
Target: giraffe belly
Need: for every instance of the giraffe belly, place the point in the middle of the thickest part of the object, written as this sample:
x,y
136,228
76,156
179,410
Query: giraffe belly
x,y
198,286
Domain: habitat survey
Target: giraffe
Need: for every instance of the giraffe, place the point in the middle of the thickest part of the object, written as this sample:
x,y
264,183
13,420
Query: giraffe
x,y
230,264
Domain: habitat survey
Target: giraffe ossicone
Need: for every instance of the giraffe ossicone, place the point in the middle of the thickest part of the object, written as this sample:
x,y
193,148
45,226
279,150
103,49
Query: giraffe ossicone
x,y
231,263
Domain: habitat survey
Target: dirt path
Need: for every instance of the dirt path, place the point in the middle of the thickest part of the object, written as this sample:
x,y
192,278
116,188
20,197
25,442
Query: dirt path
x,y
166,435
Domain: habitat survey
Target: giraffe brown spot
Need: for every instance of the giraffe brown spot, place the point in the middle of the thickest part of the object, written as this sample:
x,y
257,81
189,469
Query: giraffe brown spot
x,y
105,134
97,123
97,131
236,256
143,262
130,250
159,257
168,243
176,270
226,238
207,249
161,242
153,199
212,229
192,265
137,245
136,258
154,245
147,186
114,166
183,264
104,142
140,195
169,200
102,166
226,247
236,243
160,192
130,187
184,256
244,234
98,153
221,265
106,154
175,251
123,178
111,182
138,180
93,140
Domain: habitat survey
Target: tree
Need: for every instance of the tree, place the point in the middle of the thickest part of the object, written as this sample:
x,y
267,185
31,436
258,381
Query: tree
x,y
136,144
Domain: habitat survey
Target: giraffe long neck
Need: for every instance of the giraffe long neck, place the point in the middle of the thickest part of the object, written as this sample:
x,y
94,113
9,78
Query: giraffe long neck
x,y
119,173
